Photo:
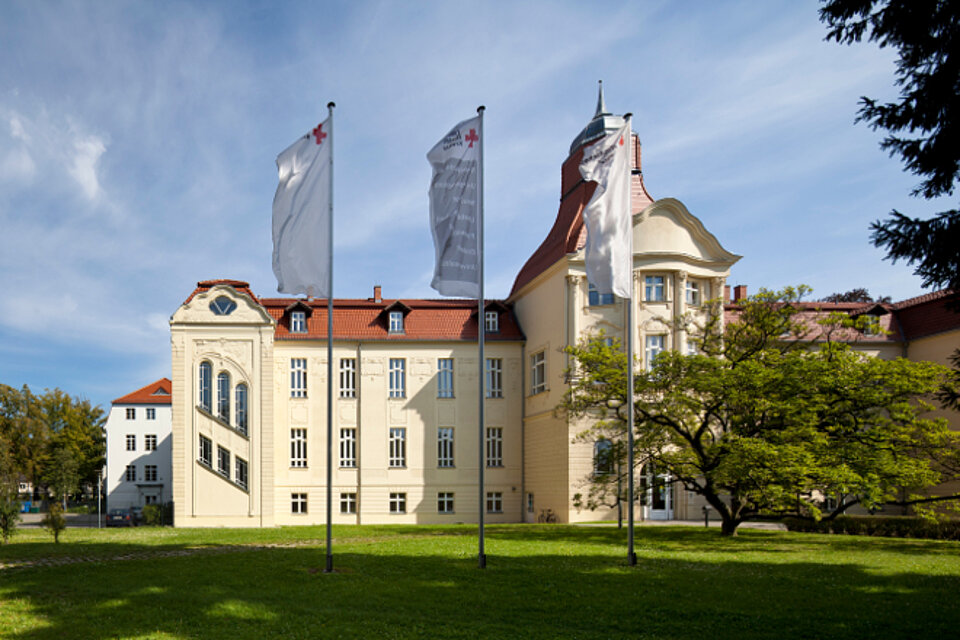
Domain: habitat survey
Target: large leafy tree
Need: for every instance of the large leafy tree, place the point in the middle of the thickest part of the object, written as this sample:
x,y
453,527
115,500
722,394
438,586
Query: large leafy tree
x,y
759,423
923,126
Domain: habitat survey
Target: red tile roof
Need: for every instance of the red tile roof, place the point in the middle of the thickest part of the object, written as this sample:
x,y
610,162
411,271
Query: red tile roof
x,y
154,393
427,320
568,233
206,285
902,321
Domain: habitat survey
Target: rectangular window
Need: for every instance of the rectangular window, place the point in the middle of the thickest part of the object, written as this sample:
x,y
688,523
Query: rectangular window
x,y
151,413
595,298
494,446
240,393
298,377
653,289
298,503
494,502
348,377
396,322
654,347
206,451
398,446
398,378
131,413
131,442
692,348
491,322
150,442
693,293
445,378
223,461
494,378
445,447
348,503
529,503
298,322
445,502
298,448
538,370
150,473
348,448
398,503
131,475
223,396
241,477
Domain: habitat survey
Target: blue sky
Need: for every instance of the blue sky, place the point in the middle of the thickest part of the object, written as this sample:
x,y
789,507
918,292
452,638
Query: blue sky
x,y
138,144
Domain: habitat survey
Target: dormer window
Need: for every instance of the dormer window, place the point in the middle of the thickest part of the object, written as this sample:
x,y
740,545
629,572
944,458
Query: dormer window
x,y
396,322
491,322
222,306
871,325
298,322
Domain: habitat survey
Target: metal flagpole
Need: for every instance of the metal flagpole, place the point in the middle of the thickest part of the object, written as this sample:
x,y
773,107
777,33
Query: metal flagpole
x,y
631,556
481,330
329,566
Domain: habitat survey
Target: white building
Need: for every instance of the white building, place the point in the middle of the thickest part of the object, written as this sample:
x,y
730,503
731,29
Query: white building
x,y
138,447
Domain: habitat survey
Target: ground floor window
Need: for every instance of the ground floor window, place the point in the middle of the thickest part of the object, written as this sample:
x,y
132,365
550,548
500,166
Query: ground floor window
x,y
398,503
494,502
348,503
298,503
445,502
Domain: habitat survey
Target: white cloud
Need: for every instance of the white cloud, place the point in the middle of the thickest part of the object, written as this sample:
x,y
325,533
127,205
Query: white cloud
x,y
83,168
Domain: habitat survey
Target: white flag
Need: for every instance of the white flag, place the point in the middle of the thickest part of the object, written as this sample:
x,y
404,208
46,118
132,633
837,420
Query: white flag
x,y
302,250
609,251
455,210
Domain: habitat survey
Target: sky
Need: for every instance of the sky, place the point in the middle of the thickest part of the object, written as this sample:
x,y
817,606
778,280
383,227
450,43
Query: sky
x,y
138,145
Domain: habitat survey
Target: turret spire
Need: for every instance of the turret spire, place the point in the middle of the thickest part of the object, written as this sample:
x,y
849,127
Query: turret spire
x,y
601,106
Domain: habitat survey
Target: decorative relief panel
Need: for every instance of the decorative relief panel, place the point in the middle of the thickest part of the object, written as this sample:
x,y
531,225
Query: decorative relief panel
x,y
372,367
446,414
467,368
347,413
422,367
299,414
398,414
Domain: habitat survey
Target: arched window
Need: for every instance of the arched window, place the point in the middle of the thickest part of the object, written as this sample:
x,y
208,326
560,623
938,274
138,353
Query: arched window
x,y
241,410
223,396
603,457
206,382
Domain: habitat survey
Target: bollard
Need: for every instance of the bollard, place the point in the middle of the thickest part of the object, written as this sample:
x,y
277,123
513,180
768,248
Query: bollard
x,y
706,516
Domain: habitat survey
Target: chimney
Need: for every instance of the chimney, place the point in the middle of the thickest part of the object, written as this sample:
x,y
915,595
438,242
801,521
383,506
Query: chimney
x,y
726,294
376,293
740,292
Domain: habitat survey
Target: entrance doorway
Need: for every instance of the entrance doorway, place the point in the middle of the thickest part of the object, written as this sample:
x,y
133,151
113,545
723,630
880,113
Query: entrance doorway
x,y
659,502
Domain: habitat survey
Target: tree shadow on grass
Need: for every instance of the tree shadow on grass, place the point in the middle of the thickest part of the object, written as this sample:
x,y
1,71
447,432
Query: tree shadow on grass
x,y
433,588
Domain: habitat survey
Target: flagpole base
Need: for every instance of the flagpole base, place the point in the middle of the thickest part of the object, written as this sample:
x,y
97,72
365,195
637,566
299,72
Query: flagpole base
x,y
482,561
329,567
632,559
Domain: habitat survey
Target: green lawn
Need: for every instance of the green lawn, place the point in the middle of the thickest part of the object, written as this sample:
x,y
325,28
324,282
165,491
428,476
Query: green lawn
x,y
541,582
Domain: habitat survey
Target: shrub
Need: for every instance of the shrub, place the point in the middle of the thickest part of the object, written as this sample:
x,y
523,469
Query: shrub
x,y
888,527
54,522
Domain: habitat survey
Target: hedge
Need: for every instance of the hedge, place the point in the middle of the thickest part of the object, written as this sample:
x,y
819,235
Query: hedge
x,y
889,527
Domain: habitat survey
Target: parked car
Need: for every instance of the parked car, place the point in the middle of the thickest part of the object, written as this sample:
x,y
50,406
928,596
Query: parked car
x,y
119,518
137,514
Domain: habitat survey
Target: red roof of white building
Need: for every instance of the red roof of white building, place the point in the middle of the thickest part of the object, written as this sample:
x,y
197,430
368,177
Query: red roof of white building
x,y
154,393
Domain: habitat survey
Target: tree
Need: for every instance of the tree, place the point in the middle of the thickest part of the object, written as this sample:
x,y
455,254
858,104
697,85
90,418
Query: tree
x,y
855,295
54,521
9,494
923,126
764,424
62,476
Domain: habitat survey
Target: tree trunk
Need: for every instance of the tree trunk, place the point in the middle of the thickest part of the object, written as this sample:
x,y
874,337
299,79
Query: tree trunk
x,y
728,527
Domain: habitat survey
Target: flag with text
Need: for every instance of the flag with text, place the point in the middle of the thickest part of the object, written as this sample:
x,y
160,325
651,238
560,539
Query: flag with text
x,y
455,210
302,254
609,250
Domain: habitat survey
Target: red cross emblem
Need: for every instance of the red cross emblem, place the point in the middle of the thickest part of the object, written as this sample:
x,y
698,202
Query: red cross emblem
x,y
471,137
621,141
318,133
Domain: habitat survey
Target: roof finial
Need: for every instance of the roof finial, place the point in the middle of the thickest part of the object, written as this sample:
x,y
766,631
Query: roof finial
x,y
601,107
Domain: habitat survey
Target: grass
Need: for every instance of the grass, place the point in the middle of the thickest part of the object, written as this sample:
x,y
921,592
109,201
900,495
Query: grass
x,y
541,582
